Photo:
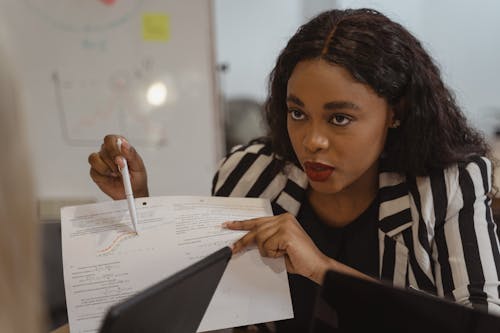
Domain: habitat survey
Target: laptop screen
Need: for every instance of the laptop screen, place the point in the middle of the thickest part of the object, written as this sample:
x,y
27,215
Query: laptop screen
x,y
348,304
176,304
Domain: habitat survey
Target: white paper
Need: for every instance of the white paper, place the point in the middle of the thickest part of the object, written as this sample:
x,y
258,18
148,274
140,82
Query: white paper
x,y
104,262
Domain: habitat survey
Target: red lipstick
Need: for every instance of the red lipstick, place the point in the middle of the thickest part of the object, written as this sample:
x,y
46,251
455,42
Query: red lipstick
x,y
318,172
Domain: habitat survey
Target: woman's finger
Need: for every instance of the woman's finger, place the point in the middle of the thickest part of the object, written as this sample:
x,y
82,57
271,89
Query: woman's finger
x,y
243,242
108,159
99,166
135,162
111,144
97,177
274,246
246,224
263,234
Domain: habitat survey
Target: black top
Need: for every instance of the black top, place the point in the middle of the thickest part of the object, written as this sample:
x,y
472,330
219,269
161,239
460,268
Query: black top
x,y
355,245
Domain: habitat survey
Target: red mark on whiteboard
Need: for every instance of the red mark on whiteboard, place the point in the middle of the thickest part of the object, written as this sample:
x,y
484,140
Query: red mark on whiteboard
x,y
108,2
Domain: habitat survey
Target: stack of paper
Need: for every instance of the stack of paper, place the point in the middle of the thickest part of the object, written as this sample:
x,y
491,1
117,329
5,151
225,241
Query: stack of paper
x,y
105,262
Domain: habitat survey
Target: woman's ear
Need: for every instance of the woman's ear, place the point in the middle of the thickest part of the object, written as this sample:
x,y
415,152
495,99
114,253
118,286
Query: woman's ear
x,y
391,119
394,123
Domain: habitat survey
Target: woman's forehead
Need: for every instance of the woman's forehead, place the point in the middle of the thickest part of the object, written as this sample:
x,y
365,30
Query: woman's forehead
x,y
323,82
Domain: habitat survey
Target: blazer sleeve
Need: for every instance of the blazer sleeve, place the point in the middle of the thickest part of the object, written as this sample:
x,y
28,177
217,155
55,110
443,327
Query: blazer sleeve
x,y
240,169
467,241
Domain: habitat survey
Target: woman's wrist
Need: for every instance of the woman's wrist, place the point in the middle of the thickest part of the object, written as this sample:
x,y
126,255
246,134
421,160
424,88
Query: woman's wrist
x,y
326,264
142,193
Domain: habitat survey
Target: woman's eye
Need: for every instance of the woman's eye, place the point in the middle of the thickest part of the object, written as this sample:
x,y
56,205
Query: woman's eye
x,y
340,120
296,114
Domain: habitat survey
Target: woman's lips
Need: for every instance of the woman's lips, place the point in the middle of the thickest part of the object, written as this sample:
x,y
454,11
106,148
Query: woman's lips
x,y
318,172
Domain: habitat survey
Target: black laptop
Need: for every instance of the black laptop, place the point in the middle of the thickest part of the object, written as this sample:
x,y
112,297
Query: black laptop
x,y
348,304
174,305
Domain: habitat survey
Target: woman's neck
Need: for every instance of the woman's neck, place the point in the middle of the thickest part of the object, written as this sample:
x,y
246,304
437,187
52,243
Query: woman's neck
x,y
340,209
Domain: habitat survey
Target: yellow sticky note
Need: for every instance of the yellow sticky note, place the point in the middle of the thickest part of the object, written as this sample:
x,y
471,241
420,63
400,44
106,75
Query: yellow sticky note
x,y
155,27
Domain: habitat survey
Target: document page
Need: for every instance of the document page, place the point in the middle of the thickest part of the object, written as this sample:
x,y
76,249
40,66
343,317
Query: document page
x,y
105,261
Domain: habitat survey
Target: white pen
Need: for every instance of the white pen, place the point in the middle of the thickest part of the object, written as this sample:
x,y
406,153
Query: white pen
x,y
128,188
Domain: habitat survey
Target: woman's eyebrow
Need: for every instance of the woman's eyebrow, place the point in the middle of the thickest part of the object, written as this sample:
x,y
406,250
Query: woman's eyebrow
x,y
294,99
341,105
337,105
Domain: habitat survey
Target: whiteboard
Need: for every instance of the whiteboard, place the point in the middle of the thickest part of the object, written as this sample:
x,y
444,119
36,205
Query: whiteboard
x,y
85,67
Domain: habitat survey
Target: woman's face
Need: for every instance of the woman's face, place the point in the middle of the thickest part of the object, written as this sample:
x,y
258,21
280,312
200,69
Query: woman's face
x,y
337,126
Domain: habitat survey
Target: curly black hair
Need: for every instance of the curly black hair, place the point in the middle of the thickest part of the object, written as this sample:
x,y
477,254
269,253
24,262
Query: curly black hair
x,y
433,131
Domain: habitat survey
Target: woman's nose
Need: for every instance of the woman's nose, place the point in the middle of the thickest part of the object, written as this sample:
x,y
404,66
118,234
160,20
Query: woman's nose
x,y
315,140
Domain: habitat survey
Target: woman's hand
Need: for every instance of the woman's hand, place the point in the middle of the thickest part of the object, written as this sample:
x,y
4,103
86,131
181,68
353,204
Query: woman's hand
x,y
282,235
104,168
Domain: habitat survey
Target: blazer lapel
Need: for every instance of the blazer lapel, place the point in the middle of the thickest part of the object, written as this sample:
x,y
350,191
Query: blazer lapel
x,y
394,218
290,197
394,211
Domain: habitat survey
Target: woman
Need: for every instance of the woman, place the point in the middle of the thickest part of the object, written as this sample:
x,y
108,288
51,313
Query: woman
x,y
371,168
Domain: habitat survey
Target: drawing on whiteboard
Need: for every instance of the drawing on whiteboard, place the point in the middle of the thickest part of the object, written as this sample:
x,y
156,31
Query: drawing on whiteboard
x,y
85,16
90,106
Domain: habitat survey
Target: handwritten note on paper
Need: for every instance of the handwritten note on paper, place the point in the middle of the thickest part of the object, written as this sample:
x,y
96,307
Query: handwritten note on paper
x,y
104,263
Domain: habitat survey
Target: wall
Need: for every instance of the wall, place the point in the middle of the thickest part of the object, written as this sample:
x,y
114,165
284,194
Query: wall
x,y
250,35
461,35
85,68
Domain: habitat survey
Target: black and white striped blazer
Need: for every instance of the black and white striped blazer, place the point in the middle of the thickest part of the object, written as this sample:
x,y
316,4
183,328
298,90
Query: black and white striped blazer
x,y
436,233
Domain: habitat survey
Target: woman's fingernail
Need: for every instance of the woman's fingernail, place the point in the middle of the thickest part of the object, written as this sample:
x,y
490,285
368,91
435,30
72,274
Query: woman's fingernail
x,y
125,145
